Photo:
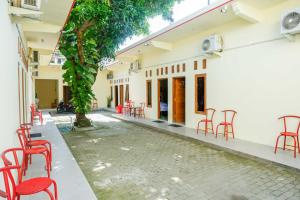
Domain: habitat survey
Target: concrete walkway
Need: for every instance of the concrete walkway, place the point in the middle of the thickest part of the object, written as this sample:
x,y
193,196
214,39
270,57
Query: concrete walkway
x,y
72,184
236,146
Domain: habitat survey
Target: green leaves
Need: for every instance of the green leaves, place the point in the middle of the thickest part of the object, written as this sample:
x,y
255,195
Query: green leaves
x,y
94,32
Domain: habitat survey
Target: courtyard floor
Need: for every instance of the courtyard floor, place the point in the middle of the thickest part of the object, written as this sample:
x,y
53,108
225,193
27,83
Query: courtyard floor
x,y
125,161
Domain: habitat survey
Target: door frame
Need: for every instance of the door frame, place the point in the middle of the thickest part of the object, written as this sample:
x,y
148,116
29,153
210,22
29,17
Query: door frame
x,y
158,96
173,95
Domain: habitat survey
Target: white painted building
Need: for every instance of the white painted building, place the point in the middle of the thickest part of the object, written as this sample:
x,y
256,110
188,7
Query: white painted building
x,y
256,74
25,30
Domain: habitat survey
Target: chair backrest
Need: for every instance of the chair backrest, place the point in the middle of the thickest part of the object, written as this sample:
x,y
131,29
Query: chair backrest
x,y
210,112
9,183
26,128
11,164
288,118
32,108
22,138
229,115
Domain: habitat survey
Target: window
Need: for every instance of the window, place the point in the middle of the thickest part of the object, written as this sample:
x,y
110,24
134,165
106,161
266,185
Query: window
x,y
200,93
148,93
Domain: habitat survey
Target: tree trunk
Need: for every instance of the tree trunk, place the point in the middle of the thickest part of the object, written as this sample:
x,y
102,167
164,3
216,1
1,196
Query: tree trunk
x,y
82,120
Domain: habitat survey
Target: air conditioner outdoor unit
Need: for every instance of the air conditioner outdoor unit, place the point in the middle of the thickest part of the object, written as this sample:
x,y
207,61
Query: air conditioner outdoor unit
x,y
212,44
110,76
31,4
135,66
290,22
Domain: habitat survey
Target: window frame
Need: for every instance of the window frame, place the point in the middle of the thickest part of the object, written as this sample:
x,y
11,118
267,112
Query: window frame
x,y
196,93
147,93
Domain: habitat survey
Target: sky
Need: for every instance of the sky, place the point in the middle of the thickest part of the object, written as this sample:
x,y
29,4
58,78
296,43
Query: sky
x,y
180,10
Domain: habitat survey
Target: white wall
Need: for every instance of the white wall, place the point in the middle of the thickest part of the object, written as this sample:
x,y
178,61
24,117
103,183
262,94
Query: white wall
x,y
9,118
257,75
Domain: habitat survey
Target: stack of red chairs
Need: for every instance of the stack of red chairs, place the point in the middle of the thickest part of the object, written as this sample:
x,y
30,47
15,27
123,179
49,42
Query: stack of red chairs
x,y
18,160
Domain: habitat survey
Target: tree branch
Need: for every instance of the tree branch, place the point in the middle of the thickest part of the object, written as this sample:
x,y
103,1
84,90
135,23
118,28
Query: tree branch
x,y
80,34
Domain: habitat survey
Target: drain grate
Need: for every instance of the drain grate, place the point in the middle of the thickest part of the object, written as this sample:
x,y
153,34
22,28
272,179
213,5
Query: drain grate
x,y
175,125
158,121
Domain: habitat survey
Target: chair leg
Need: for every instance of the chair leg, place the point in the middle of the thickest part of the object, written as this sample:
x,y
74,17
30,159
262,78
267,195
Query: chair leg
x,y
55,189
232,131
295,147
206,128
298,144
284,143
217,131
198,127
49,194
276,145
226,132
212,128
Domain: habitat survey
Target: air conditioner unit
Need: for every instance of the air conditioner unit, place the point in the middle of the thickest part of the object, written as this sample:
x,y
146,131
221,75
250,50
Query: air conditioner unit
x,y
35,58
290,22
135,66
110,76
212,44
31,4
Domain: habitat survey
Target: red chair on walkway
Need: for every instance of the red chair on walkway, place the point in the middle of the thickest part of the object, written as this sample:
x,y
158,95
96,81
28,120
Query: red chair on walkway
x,y
127,108
140,111
228,123
286,133
29,151
15,189
35,113
208,120
36,143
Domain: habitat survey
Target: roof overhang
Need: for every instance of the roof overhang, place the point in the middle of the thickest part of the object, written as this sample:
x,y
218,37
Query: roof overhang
x,y
207,18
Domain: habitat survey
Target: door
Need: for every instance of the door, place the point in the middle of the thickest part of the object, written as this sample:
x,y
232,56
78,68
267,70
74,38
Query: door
x,y
121,94
162,99
179,100
116,96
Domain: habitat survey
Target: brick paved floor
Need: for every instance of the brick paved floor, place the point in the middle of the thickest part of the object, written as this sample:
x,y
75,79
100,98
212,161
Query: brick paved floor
x,y
125,161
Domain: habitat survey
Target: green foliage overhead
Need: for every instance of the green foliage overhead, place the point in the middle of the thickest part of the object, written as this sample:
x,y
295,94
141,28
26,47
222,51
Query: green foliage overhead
x,y
95,30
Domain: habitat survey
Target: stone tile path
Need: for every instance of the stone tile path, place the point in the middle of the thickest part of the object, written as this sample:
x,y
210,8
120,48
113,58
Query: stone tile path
x,y
125,161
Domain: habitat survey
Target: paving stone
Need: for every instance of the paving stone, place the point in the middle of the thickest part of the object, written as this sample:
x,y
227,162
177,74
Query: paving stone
x,y
133,162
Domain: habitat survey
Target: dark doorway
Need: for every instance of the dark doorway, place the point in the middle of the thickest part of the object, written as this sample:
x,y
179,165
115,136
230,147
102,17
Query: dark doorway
x,y
179,100
116,96
67,94
163,99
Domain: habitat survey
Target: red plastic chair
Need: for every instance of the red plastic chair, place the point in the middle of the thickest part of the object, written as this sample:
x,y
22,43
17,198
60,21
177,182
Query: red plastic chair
x,y
36,143
140,111
127,108
227,123
35,113
14,190
286,133
208,120
29,151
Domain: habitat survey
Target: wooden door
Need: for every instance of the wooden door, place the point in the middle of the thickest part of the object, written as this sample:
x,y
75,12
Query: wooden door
x,y
179,100
121,95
